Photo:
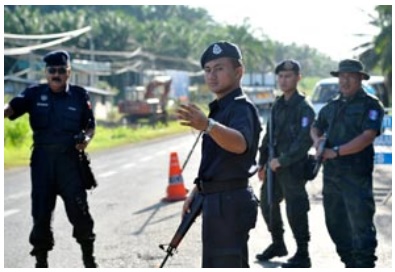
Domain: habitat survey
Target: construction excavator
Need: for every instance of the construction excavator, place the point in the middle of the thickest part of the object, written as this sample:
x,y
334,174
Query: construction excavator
x,y
146,104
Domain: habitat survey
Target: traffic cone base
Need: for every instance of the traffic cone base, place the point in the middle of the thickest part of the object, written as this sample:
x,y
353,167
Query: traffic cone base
x,y
175,190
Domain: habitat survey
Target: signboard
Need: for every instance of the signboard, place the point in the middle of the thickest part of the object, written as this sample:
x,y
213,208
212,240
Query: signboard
x,y
383,158
383,140
387,122
383,143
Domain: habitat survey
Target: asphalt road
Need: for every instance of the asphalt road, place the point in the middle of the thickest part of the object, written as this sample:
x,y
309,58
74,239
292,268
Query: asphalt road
x,y
131,220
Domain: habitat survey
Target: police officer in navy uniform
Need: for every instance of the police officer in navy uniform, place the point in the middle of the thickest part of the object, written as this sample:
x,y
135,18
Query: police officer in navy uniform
x,y
230,142
292,117
58,111
353,119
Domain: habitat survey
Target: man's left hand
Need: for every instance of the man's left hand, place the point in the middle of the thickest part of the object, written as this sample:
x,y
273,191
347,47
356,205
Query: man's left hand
x,y
274,164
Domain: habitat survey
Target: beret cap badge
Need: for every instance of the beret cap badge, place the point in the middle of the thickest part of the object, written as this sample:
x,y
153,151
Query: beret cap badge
x,y
288,65
217,49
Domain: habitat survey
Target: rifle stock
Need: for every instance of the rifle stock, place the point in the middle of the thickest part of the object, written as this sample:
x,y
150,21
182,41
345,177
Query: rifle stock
x,y
186,223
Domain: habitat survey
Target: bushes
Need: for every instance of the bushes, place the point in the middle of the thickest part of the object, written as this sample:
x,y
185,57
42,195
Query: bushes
x,y
18,138
17,133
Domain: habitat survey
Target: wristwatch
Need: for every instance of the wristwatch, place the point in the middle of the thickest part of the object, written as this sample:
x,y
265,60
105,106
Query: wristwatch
x,y
336,149
211,124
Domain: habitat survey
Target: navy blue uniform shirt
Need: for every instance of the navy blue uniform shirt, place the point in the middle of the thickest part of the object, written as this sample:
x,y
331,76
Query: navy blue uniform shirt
x,y
237,112
55,118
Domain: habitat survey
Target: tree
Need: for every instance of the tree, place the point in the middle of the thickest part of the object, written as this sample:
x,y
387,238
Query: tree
x,y
378,52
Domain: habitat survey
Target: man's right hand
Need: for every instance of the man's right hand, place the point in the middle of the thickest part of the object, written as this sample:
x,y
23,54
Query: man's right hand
x,y
187,205
8,111
262,173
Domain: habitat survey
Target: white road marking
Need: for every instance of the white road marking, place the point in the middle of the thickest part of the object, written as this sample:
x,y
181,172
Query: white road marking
x,y
107,174
18,195
160,153
10,212
146,159
128,165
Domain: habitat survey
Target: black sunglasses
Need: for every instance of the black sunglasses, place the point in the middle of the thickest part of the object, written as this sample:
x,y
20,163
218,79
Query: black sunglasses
x,y
60,70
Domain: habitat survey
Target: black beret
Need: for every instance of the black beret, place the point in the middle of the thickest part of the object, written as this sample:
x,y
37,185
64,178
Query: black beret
x,y
57,58
351,66
288,65
220,50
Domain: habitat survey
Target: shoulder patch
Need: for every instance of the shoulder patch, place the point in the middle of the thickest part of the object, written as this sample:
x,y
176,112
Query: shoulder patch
x,y
373,115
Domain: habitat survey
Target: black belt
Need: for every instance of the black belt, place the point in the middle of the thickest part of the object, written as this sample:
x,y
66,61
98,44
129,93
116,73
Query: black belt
x,y
209,187
54,147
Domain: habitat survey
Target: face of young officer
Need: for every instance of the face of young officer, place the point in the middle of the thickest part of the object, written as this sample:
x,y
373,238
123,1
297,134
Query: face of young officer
x,y
349,83
288,80
222,76
57,77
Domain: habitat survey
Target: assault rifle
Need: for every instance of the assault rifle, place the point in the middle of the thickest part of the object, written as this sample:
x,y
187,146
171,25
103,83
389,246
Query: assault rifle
x,y
186,223
269,171
320,152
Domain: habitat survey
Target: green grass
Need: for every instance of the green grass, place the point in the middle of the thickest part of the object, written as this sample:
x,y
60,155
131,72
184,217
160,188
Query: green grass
x,y
18,154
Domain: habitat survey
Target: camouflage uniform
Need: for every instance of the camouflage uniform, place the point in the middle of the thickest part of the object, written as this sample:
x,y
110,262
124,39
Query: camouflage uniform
x,y
291,123
348,196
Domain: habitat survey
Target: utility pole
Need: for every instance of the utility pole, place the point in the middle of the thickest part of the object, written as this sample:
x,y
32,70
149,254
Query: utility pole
x,y
92,65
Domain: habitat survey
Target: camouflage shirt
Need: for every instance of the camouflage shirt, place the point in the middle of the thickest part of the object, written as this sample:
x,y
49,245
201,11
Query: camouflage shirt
x,y
291,135
351,117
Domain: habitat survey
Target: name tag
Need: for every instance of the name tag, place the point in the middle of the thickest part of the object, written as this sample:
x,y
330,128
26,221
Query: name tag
x,y
40,104
72,108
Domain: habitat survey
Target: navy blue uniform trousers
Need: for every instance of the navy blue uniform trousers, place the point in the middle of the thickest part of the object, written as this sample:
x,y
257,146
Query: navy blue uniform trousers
x,y
227,219
55,171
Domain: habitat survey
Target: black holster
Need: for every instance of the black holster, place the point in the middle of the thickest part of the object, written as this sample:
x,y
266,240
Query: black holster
x,y
87,176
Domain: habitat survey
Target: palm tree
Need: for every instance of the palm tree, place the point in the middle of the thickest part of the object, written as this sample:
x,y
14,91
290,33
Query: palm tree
x,y
378,52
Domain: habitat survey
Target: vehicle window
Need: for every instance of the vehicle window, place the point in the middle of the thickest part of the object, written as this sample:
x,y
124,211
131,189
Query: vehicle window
x,y
381,92
325,92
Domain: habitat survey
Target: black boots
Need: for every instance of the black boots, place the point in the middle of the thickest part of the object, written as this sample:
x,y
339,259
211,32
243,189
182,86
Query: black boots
x,y
301,258
41,259
276,249
87,255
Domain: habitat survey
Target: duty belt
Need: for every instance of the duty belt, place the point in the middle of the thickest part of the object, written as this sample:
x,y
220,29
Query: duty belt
x,y
54,147
210,187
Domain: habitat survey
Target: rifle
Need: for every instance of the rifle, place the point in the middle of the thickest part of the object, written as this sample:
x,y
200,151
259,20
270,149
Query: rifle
x,y
186,223
321,147
269,172
319,157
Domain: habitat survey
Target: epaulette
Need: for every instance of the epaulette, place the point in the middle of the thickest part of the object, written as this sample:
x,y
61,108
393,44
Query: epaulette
x,y
243,96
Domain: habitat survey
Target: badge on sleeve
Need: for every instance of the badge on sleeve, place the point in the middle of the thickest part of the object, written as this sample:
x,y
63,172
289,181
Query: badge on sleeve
x,y
305,122
373,115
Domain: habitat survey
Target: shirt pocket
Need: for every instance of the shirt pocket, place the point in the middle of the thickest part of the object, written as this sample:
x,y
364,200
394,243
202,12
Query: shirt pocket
x,y
71,119
39,116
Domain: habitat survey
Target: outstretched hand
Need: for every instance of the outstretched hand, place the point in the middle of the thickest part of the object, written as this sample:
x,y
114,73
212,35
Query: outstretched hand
x,y
192,116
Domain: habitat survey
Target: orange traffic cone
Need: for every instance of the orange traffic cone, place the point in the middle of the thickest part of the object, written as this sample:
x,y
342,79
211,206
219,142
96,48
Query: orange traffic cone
x,y
175,190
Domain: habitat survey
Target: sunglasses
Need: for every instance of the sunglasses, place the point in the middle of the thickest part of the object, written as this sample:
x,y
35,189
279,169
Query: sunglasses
x,y
60,70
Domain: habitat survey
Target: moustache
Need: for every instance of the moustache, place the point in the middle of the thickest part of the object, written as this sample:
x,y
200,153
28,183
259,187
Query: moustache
x,y
56,79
